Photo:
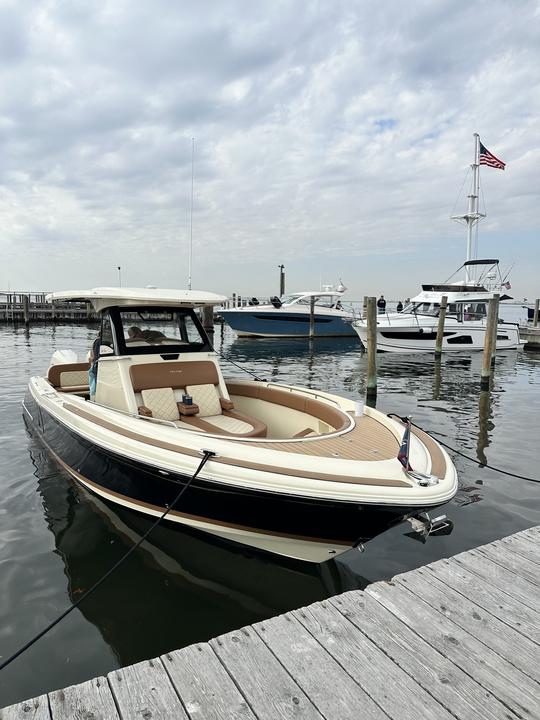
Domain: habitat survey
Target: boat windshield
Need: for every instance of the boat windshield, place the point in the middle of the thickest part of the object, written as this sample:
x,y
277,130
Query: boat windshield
x,y
463,311
150,330
327,301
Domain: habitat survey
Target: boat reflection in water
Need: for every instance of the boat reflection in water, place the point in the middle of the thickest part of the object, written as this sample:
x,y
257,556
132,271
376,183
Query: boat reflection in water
x,y
181,586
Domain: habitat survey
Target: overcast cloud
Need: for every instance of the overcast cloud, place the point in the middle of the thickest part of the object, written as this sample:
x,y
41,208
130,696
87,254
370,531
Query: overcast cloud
x,y
330,136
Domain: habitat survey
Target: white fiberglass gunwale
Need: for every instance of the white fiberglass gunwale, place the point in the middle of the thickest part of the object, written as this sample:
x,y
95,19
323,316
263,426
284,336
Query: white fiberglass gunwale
x,y
245,465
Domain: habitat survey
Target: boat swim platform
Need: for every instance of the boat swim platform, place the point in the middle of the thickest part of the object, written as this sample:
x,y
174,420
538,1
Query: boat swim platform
x,y
458,638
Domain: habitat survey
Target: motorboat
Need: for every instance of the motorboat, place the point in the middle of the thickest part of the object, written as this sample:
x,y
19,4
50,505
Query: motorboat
x,y
415,328
289,315
302,473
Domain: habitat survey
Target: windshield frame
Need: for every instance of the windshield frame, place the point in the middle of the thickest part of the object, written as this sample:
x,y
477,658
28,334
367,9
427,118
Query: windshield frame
x,y
121,326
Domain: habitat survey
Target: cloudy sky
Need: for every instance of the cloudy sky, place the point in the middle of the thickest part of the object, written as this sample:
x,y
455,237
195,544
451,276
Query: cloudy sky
x,y
331,136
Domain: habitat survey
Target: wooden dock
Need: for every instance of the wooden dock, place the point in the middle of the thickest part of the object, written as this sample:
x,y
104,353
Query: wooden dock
x,y
459,638
31,307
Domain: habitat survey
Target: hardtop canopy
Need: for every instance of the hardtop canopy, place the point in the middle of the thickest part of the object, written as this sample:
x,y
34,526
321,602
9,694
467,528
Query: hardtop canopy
x,y
105,297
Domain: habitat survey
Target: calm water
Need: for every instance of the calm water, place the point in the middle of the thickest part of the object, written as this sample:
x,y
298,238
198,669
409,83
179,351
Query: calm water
x,y
56,540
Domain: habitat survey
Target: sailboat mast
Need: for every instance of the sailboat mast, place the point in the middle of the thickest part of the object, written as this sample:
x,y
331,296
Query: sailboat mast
x,y
472,216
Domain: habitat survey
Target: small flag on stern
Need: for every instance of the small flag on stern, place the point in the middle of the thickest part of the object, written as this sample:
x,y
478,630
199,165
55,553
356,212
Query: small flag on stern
x,y
487,158
403,454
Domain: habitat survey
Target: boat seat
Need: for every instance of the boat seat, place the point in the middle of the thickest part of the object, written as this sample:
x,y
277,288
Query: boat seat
x,y
217,415
210,412
70,377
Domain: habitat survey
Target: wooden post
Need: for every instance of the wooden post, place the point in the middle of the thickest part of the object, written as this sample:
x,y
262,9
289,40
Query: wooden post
x,y
371,385
312,316
488,341
26,309
281,280
208,319
535,316
495,328
440,326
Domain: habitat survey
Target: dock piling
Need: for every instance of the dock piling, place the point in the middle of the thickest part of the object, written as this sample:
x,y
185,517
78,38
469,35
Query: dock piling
x,y
312,316
536,309
440,326
490,341
26,309
371,385
208,319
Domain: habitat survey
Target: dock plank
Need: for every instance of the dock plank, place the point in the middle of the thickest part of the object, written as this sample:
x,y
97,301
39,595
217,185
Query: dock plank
x,y
145,691
267,686
447,683
311,665
498,675
400,696
512,561
502,578
503,606
480,624
523,545
206,689
91,699
35,709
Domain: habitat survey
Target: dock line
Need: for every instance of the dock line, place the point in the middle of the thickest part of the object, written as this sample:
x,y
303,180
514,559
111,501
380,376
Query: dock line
x,y
467,457
207,454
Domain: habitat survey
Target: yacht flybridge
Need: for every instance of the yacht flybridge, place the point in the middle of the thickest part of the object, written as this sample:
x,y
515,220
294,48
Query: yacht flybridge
x,y
415,328
301,473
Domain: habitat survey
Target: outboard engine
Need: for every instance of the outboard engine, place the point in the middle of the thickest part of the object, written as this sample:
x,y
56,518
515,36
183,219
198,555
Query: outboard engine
x,y
276,302
253,301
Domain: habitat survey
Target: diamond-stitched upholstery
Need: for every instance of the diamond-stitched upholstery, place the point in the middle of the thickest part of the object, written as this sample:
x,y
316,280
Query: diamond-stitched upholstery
x,y
229,424
161,402
207,398
73,377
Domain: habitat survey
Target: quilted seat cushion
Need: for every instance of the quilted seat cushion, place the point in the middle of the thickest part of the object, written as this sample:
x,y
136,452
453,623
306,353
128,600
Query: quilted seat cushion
x,y
162,403
207,398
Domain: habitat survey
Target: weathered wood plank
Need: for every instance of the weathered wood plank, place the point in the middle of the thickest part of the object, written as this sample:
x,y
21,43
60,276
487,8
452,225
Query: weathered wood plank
x,y
35,709
311,667
269,689
505,681
501,578
145,691
206,689
503,606
512,561
92,699
523,545
518,650
400,696
444,681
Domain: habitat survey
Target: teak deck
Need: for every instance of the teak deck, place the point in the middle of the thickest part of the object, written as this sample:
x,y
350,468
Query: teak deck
x,y
459,638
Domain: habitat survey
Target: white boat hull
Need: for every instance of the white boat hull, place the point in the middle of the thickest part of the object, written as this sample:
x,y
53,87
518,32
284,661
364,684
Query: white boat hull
x,y
397,334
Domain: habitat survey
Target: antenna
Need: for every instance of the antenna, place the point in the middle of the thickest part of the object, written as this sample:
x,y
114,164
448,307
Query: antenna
x,y
191,216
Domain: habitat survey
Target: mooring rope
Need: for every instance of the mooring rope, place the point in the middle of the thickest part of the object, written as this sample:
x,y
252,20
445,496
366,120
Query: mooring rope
x,y
463,455
207,454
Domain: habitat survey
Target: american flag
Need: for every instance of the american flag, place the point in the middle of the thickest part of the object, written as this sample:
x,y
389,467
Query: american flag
x,y
487,158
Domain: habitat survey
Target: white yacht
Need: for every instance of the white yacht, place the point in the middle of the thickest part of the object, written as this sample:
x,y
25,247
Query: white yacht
x,y
289,316
415,328
290,470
